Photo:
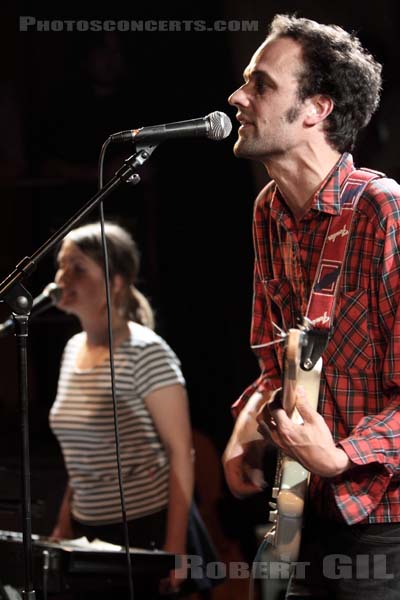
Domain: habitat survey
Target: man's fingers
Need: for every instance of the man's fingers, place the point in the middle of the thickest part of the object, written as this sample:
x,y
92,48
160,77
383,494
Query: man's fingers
x,y
263,428
255,477
265,421
242,479
242,489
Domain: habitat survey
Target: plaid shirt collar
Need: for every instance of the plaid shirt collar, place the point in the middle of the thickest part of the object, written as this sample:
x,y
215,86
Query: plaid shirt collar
x,y
327,197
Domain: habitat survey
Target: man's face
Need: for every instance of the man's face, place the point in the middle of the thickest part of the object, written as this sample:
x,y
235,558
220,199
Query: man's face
x,y
269,110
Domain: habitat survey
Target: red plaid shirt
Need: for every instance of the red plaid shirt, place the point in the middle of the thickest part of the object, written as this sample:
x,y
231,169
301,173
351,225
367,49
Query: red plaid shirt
x,y
360,385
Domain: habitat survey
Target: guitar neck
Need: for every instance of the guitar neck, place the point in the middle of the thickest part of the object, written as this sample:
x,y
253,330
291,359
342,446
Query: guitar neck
x,y
294,344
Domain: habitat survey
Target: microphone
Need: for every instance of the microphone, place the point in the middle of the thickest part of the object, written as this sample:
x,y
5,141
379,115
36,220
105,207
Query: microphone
x,y
215,126
50,295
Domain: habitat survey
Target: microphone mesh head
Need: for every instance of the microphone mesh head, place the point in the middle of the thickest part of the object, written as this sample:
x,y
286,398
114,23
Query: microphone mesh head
x,y
53,291
220,125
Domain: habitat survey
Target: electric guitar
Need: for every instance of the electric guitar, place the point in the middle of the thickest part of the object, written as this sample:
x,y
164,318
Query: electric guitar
x,y
282,540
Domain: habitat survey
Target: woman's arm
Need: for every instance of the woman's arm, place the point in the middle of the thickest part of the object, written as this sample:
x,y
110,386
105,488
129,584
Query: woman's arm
x,y
62,528
168,407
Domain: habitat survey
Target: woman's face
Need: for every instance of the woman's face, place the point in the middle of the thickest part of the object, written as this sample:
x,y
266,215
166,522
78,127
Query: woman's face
x,y
81,280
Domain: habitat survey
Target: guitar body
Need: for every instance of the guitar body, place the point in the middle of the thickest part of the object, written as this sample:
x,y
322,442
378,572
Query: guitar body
x,y
282,542
294,481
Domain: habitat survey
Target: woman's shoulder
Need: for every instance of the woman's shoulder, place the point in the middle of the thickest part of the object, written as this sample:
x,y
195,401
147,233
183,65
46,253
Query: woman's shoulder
x,y
156,361
141,336
74,342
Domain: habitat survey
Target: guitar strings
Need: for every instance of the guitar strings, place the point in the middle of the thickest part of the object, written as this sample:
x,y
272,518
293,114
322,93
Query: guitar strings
x,y
268,344
282,334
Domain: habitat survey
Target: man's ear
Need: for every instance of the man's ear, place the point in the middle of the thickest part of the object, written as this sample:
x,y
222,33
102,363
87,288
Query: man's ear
x,y
318,108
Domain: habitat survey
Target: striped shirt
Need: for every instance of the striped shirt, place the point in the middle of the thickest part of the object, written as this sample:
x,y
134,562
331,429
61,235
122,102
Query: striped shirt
x,y
360,384
82,420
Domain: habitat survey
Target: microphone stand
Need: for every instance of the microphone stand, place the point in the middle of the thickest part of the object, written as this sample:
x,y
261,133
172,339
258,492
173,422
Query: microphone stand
x,y
13,293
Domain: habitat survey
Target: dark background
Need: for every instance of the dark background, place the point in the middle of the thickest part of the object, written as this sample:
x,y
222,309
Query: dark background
x,y
191,214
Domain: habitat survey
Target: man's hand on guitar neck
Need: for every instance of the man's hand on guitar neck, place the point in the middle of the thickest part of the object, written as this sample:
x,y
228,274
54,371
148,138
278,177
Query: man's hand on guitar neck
x,y
310,443
243,456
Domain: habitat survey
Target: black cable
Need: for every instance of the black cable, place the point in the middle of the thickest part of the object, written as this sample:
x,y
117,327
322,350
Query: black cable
x,y
112,369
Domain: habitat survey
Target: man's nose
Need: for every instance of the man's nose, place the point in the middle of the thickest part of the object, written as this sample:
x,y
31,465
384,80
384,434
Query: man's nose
x,y
238,98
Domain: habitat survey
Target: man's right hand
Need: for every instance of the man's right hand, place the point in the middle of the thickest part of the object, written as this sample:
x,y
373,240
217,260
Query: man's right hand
x,y
242,478
243,456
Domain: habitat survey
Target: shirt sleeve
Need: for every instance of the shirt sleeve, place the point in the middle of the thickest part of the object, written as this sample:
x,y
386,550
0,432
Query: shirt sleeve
x,y
374,448
261,327
157,366
374,443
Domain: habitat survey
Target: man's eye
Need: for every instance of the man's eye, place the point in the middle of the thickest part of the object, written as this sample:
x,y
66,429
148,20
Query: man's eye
x,y
260,86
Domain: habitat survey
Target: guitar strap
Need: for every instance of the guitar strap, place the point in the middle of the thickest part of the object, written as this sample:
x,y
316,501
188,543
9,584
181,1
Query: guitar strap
x,y
324,292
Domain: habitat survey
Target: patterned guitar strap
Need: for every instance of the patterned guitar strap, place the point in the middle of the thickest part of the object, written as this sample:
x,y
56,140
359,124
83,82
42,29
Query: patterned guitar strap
x,y
324,293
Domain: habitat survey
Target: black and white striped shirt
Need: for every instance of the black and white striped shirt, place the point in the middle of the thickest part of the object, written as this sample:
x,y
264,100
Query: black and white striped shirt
x,y
82,419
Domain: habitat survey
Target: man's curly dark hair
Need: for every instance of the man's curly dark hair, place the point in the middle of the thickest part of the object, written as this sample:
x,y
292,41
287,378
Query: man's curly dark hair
x,y
336,65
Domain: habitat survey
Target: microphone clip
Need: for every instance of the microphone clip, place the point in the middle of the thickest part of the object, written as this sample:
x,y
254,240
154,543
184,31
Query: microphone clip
x,y
143,153
18,299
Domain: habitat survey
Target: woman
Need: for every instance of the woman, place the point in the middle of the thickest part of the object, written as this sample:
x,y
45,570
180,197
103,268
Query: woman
x,y
155,434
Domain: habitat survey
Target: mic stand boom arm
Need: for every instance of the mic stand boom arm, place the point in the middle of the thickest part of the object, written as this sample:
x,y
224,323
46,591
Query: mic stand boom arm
x,y
19,300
